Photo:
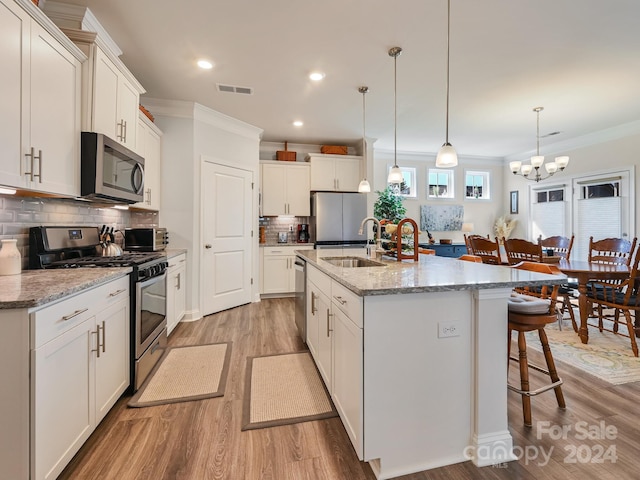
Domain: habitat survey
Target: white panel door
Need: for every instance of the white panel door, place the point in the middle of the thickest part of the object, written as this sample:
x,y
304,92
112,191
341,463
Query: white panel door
x,y
227,247
105,97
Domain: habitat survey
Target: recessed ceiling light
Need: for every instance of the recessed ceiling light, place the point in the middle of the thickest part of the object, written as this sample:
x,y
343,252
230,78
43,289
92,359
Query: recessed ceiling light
x,y
205,64
316,76
298,123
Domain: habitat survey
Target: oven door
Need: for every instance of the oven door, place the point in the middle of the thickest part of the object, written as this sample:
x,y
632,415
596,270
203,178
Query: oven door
x,y
151,311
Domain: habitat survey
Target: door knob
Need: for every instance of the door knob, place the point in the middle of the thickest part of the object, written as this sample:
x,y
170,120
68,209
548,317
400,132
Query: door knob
x,y
208,245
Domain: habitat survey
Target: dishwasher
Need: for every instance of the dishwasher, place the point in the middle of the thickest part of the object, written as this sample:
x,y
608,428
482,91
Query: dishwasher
x,y
301,297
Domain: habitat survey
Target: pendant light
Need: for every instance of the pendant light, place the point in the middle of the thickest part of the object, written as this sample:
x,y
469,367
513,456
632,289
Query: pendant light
x,y
364,186
395,174
447,156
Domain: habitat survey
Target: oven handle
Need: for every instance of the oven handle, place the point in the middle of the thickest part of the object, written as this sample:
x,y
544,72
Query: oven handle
x,y
152,280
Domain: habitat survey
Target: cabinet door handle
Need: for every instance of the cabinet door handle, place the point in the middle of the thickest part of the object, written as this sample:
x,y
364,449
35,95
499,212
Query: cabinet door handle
x,y
97,349
313,304
329,329
179,283
32,155
117,292
74,314
124,131
341,300
337,184
120,136
104,337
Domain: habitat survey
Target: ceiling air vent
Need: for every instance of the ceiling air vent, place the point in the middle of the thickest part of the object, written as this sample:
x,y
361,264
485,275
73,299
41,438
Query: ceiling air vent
x,y
234,89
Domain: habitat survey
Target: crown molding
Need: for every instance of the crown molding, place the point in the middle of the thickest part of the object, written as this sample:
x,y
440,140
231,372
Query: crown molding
x,y
195,111
385,154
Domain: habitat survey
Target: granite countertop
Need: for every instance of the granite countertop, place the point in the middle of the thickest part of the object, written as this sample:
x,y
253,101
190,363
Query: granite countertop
x,y
430,274
33,288
287,244
174,252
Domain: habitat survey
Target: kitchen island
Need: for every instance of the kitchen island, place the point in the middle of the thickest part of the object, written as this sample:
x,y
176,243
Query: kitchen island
x,y
414,355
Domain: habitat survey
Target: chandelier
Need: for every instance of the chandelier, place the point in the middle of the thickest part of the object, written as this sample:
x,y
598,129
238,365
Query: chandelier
x,y
517,168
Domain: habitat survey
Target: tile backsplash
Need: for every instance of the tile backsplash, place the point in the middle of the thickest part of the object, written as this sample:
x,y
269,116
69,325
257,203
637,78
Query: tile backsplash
x,y
273,225
18,214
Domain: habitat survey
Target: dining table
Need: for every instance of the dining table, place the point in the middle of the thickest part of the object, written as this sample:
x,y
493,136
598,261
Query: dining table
x,y
584,272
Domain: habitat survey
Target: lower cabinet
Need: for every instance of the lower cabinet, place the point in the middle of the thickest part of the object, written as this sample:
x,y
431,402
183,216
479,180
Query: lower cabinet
x,y
453,250
176,290
335,340
79,369
277,273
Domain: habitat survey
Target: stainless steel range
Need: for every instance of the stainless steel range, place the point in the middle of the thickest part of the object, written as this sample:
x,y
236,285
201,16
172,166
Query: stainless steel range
x,y
76,247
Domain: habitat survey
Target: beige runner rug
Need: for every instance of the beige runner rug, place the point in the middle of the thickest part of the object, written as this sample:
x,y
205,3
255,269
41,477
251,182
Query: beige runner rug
x,y
284,389
184,374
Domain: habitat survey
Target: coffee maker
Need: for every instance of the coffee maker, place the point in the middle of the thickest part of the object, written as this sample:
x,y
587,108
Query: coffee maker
x,y
303,232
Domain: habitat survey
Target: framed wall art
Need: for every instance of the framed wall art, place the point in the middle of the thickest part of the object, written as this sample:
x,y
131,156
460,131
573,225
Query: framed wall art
x,y
514,202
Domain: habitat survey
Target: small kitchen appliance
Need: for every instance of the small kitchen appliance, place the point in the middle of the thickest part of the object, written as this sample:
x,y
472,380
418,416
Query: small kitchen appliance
x,y
303,232
145,239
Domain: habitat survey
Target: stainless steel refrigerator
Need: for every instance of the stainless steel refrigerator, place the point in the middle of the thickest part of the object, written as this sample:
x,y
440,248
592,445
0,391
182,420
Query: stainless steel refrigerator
x,y
336,218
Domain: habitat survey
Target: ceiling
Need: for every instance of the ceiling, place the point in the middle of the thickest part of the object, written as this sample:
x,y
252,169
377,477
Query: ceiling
x,y
577,58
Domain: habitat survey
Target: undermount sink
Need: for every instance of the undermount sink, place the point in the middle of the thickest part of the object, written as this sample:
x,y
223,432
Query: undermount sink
x,y
351,262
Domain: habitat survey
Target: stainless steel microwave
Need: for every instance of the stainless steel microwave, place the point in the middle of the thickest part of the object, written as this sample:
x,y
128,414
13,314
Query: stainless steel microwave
x,y
110,172
145,239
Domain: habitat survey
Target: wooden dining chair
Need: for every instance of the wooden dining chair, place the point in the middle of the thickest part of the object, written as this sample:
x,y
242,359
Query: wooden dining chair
x,y
470,258
520,250
528,314
487,250
561,247
467,242
611,250
623,298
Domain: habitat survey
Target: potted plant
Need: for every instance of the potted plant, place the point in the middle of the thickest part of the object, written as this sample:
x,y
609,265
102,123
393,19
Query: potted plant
x,y
389,206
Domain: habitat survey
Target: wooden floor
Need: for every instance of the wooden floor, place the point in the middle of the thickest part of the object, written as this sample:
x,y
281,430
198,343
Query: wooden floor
x,y
201,440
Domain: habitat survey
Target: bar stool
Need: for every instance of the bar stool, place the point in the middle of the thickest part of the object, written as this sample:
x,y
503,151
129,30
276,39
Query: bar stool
x,y
527,314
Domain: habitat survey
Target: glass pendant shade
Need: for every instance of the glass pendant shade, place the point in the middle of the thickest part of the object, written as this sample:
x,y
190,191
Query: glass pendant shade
x,y
526,169
447,156
537,161
551,167
562,162
364,186
395,175
515,166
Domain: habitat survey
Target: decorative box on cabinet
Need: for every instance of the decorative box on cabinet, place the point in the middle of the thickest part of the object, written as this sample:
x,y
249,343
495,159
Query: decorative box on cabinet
x,y
149,146
340,173
40,98
285,189
176,290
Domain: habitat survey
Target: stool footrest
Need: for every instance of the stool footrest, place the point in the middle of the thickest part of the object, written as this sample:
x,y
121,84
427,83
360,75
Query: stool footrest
x,y
532,393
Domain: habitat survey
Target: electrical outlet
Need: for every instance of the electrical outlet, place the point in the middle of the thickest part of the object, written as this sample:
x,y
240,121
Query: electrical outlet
x,y
291,228
448,329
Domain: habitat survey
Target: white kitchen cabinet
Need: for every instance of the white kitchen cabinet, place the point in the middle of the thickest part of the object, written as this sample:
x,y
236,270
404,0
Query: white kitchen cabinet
x,y
278,273
285,189
149,146
176,290
40,94
339,173
115,102
335,339
79,369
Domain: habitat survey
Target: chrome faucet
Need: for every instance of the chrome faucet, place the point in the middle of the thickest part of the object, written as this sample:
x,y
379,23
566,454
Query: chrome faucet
x,y
379,250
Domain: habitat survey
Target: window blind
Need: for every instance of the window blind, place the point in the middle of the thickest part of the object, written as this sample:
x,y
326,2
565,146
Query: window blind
x,y
548,219
598,218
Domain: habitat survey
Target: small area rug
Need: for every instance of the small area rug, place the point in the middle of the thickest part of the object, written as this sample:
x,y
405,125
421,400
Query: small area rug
x,y
184,374
283,389
607,356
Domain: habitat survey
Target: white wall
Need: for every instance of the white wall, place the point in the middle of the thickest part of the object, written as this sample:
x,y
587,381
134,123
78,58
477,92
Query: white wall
x,y
482,213
192,132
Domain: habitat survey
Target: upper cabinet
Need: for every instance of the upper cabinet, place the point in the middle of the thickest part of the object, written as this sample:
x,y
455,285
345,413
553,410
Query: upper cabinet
x,y
40,97
115,101
149,146
335,173
285,189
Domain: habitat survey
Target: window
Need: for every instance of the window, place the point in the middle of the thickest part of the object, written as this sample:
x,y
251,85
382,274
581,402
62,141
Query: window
x,y
408,186
549,212
440,183
477,185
